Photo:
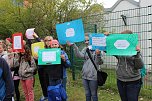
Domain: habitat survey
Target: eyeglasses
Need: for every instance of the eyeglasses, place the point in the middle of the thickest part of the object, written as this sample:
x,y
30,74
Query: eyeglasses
x,y
86,40
47,40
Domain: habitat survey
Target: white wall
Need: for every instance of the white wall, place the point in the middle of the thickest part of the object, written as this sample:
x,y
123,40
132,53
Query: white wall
x,y
124,5
145,3
117,24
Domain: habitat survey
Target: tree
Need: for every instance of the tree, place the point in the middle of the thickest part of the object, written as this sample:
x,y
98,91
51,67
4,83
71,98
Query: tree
x,y
16,16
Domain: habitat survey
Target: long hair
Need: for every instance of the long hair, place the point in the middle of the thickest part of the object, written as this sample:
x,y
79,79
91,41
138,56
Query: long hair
x,y
27,54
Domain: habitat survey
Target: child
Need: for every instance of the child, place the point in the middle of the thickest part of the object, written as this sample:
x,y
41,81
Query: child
x,y
12,60
43,77
42,71
89,73
55,72
65,60
2,50
26,69
128,74
6,82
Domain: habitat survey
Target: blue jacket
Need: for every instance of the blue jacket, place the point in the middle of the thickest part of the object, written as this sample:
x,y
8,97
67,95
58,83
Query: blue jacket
x,y
67,64
6,82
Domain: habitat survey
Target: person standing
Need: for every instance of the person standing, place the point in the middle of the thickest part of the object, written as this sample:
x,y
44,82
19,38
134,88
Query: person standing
x,y
26,70
128,74
89,73
6,82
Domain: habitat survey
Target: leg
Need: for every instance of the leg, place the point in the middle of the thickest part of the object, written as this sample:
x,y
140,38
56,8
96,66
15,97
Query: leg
x,y
24,87
33,81
133,90
29,84
16,84
122,90
64,83
43,81
87,89
93,84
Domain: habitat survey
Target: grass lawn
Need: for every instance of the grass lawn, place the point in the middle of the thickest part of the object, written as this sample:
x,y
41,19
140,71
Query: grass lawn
x,y
75,91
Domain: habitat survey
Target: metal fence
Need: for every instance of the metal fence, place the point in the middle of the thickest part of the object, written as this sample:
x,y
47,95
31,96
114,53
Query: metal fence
x,y
139,20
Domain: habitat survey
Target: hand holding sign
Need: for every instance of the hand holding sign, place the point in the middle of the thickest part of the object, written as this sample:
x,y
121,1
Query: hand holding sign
x,y
29,33
122,44
35,47
17,42
49,56
72,31
97,41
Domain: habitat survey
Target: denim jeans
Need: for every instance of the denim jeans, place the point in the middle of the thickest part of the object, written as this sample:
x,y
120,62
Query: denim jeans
x,y
91,88
129,91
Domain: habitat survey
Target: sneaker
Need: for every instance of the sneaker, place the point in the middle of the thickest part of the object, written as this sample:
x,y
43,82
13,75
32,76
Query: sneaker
x,y
44,98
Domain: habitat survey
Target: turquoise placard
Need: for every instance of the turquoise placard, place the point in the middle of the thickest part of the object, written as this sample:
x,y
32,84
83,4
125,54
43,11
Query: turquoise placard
x,y
97,41
49,56
121,44
72,31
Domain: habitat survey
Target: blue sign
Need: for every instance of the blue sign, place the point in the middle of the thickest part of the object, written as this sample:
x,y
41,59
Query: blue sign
x,y
72,31
97,41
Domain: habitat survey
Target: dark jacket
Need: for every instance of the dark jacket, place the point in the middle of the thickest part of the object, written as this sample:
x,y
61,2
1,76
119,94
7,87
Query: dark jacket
x,y
6,82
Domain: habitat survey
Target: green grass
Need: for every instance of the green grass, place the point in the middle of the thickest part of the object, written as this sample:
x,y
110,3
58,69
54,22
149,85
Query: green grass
x,y
76,92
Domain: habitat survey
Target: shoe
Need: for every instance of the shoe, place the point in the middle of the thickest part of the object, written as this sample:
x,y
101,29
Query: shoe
x,y
44,98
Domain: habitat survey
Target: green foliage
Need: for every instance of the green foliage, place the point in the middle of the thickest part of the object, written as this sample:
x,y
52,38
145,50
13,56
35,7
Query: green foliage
x,y
42,14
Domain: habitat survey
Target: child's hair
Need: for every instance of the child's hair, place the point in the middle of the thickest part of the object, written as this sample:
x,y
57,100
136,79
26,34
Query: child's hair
x,y
56,41
2,41
27,53
126,32
3,46
9,45
48,37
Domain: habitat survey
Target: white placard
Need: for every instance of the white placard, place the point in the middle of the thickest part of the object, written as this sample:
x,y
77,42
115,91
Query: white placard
x,y
121,44
90,47
29,33
99,41
70,32
17,42
36,49
48,56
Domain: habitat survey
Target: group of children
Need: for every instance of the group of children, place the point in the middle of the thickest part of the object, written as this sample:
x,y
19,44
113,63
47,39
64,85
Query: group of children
x,y
23,66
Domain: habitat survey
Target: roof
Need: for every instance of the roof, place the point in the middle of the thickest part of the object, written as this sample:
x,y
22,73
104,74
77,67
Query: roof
x,y
117,3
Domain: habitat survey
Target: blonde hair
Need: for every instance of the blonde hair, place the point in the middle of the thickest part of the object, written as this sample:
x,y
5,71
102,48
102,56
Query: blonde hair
x,y
48,37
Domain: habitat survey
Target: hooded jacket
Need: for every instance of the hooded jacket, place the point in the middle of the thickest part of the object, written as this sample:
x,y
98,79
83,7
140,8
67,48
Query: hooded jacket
x,y
128,67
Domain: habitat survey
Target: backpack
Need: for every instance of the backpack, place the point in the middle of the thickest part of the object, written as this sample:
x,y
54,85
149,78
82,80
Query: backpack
x,y
56,93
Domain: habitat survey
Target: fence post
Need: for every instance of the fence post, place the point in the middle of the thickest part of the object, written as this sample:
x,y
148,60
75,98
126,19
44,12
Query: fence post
x,y
95,28
72,62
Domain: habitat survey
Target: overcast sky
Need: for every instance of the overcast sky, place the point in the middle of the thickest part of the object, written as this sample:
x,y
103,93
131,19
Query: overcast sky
x,y
108,3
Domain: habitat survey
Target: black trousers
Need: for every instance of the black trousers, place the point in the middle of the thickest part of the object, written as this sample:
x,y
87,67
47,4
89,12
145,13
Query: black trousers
x,y
44,80
17,92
